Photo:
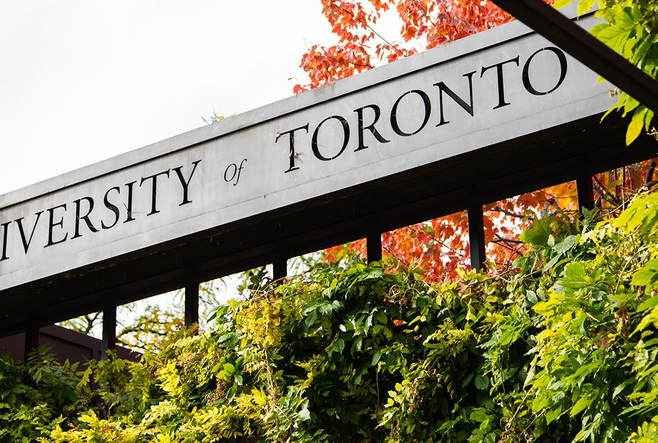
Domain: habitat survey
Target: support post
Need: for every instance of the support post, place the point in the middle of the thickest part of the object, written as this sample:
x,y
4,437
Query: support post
x,y
191,304
374,247
109,330
476,236
280,268
31,341
585,192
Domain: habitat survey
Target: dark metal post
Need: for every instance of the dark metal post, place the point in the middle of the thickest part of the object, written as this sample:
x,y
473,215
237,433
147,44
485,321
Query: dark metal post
x,y
280,268
585,192
31,341
109,330
476,236
374,247
191,304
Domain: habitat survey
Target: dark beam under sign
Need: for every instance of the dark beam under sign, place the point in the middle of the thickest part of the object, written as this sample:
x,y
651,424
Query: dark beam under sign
x,y
191,304
374,247
594,54
109,330
476,242
585,191
31,341
280,268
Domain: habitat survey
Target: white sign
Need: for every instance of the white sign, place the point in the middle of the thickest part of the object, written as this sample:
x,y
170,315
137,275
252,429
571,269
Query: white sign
x,y
471,94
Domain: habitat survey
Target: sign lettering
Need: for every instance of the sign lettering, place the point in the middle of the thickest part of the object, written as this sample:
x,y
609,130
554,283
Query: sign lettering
x,y
85,210
463,97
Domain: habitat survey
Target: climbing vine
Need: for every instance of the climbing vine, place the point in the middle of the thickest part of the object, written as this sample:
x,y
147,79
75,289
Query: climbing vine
x,y
561,349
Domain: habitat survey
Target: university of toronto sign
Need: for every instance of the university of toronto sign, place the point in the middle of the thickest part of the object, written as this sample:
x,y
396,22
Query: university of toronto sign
x,y
496,86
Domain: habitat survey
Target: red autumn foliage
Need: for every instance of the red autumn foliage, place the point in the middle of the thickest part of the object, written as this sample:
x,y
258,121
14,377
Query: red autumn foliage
x,y
440,246
424,23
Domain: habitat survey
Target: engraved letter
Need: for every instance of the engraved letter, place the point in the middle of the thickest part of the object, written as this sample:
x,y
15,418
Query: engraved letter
x,y
85,217
5,227
52,224
292,154
501,83
111,207
346,138
129,206
185,183
370,127
26,242
394,113
563,71
466,106
154,189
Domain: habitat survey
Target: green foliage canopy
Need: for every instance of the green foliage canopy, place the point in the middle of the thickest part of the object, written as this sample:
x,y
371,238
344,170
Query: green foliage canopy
x,y
564,349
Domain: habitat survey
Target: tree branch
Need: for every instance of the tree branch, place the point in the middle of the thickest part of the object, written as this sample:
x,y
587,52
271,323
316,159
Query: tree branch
x,y
505,211
648,175
374,32
603,192
507,240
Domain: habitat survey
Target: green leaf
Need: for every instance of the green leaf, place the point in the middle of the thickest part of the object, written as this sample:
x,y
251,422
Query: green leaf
x,y
226,337
594,31
338,345
376,356
614,36
581,404
304,414
651,318
648,304
585,5
381,317
635,126
641,51
481,382
552,414
531,296
637,13
18,389
479,415
575,274
567,244
537,235
311,318
561,3
539,403
647,119
470,314
619,389
521,263
623,20
550,264
647,275
630,105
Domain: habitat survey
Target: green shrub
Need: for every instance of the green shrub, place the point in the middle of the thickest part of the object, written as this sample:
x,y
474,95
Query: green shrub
x,y
561,349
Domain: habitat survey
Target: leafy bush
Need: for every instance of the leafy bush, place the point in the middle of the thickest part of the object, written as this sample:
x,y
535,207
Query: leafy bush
x,y
35,395
562,349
